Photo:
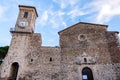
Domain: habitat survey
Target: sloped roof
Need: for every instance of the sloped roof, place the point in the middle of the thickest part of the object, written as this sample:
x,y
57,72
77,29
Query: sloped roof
x,y
30,7
113,32
82,23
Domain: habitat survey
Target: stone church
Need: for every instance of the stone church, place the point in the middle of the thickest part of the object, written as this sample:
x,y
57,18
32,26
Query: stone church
x,y
87,51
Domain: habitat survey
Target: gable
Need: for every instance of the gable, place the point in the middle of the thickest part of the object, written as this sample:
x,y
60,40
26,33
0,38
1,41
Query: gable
x,y
82,26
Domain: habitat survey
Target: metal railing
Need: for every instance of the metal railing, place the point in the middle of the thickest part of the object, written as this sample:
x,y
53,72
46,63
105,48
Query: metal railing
x,y
19,30
12,29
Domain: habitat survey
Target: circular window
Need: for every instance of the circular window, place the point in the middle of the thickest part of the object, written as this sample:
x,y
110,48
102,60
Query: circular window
x,y
81,37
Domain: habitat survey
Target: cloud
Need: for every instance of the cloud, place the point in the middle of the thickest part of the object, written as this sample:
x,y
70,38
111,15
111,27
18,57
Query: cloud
x,y
44,18
60,17
54,23
65,3
4,41
105,9
53,18
2,10
57,19
119,38
75,12
64,24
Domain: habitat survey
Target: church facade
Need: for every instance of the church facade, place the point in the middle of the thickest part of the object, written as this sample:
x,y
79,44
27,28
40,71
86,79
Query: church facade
x,y
87,51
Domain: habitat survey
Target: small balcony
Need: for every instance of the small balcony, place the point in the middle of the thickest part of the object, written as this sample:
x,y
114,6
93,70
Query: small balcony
x,y
13,30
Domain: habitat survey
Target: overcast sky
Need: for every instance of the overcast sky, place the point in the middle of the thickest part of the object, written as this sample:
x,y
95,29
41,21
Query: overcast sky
x,y
56,15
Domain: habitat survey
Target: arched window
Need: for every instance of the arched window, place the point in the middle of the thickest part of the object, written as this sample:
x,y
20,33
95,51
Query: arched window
x,y
87,74
14,71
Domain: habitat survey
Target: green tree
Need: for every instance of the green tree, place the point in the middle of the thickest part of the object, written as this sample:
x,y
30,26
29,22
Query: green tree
x,y
3,52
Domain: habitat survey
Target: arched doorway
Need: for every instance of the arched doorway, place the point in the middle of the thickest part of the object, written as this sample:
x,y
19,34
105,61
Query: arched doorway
x,y
87,74
14,71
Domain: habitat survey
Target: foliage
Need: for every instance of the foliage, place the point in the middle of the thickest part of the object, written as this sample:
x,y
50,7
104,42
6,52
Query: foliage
x,y
3,52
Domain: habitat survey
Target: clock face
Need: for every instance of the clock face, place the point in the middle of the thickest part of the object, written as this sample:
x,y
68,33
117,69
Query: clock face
x,y
22,24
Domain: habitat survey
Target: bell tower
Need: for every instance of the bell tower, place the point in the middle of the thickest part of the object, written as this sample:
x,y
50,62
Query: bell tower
x,y
26,20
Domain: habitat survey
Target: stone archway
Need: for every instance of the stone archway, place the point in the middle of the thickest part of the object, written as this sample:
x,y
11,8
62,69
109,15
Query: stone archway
x,y
14,71
87,74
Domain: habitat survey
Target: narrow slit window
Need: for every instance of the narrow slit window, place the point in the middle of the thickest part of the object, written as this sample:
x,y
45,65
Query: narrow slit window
x,y
85,60
50,59
25,15
31,60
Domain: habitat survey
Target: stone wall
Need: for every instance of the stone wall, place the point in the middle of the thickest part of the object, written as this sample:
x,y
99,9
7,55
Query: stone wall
x,y
113,46
81,45
100,72
44,64
88,46
85,38
19,48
